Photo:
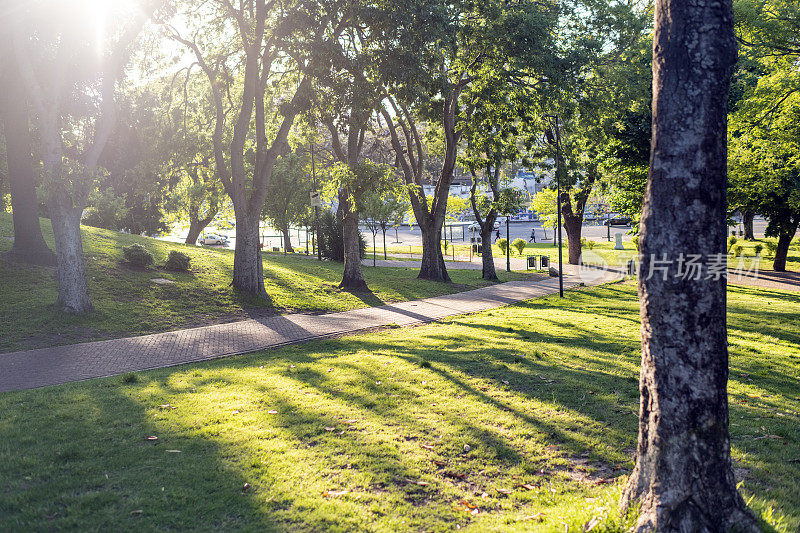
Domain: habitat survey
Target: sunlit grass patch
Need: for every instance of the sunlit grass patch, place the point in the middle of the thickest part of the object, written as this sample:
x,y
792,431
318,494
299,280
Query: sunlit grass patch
x,y
522,418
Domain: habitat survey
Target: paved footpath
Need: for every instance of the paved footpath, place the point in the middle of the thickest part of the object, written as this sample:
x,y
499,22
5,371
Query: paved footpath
x,y
62,364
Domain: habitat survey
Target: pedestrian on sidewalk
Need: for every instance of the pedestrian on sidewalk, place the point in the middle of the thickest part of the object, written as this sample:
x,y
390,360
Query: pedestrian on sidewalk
x,y
533,235
497,235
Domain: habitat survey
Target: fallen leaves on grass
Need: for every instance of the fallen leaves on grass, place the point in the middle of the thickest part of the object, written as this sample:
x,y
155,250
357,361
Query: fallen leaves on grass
x,y
272,412
426,446
245,487
538,517
333,493
505,491
417,482
151,438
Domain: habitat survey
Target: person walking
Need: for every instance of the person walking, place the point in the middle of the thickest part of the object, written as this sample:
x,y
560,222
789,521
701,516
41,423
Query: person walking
x,y
497,235
533,235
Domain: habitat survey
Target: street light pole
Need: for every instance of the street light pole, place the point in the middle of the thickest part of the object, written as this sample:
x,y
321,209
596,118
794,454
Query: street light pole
x,y
508,248
557,142
316,208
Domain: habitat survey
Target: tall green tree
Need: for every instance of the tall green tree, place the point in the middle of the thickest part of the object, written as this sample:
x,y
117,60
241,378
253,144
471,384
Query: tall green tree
x,y
288,199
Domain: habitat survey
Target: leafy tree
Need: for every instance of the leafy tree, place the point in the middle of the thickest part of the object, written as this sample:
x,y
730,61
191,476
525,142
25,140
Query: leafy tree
x,y
381,210
58,61
245,158
288,198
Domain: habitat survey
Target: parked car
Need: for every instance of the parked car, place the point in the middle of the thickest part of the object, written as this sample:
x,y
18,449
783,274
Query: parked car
x,y
477,227
213,238
615,219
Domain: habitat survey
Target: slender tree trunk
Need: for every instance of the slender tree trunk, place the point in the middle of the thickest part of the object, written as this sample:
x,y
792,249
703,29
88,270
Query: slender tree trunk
x,y
747,222
353,276
782,251
287,240
29,245
73,292
487,257
683,478
248,268
572,225
384,243
433,267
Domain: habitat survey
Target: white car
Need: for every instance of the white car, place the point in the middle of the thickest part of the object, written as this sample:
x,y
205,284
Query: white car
x,y
213,238
477,227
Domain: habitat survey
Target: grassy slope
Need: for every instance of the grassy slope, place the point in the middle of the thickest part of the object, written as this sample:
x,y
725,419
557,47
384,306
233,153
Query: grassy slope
x,y
127,302
544,394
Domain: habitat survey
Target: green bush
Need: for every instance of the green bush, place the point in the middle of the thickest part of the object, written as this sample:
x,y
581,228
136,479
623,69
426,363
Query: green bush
x,y
178,261
635,241
772,247
731,241
586,243
136,254
757,248
519,245
331,237
503,245
737,250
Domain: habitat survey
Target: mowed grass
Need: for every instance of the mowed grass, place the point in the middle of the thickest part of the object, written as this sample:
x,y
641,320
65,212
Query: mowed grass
x,y
128,302
517,419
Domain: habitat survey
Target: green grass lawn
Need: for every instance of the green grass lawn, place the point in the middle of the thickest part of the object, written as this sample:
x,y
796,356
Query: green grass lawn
x,y
127,302
517,419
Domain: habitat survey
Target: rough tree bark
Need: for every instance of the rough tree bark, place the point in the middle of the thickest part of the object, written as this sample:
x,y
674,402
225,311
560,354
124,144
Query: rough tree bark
x,y
683,478
573,222
287,239
353,275
73,291
197,225
248,271
747,222
488,271
782,251
29,245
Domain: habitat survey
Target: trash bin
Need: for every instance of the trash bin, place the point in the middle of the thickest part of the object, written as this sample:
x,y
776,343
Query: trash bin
x,y
477,249
544,262
631,267
531,262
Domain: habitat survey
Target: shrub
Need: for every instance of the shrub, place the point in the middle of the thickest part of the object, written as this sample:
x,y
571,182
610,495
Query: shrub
x,y
737,250
635,241
586,243
136,254
731,241
178,261
519,245
502,244
772,247
331,237
758,247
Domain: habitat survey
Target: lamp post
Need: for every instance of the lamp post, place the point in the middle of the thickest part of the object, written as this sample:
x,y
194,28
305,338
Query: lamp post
x,y
316,208
556,140
508,247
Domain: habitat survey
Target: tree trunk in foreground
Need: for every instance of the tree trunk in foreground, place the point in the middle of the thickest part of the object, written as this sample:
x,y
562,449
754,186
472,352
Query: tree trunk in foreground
x,y
747,222
248,269
73,291
432,267
683,478
487,257
782,251
29,244
353,276
572,225
287,240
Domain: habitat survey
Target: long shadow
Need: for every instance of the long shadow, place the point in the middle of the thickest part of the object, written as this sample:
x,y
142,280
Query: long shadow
x,y
95,468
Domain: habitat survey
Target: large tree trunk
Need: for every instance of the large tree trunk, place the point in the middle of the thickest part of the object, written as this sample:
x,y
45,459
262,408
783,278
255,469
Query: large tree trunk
x,y
782,251
683,478
433,267
73,292
487,257
747,222
572,225
248,269
353,276
196,227
29,244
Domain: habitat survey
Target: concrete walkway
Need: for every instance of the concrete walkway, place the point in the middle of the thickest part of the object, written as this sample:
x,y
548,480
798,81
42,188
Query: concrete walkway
x,y
62,364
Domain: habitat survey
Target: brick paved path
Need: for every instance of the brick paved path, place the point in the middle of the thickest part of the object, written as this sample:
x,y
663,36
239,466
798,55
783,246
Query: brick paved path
x,y
62,364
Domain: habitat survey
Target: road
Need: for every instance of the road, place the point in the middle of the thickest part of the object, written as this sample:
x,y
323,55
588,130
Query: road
x,y
412,236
